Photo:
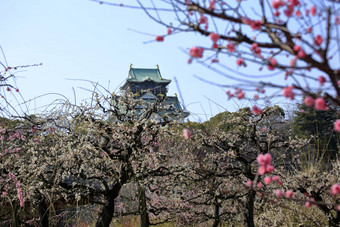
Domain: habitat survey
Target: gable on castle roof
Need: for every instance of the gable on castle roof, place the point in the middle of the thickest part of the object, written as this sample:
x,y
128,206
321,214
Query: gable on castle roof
x,y
141,75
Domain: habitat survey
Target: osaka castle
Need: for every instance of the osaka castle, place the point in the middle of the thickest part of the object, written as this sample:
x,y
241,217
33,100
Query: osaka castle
x,y
148,85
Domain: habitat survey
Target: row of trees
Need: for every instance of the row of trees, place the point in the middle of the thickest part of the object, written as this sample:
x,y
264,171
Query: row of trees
x,y
296,39
242,169
78,155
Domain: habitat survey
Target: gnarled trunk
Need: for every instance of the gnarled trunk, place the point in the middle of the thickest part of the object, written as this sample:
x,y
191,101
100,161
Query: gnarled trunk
x,y
106,214
143,211
249,213
43,211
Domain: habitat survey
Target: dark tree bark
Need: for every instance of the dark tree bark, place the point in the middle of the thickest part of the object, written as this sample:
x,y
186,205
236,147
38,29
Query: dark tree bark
x,y
217,213
249,214
250,199
106,214
143,211
337,219
15,217
43,211
332,220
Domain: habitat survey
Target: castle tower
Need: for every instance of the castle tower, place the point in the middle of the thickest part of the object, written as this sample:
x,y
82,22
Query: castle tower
x,y
149,85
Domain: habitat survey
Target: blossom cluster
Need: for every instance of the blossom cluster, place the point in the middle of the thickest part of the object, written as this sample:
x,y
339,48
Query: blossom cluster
x,y
18,187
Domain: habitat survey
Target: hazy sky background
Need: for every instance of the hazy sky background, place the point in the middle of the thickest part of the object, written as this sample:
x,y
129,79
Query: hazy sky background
x,y
81,39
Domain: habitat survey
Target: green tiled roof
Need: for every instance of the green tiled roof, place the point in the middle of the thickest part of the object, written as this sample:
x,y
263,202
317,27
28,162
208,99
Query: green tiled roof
x,y
140,75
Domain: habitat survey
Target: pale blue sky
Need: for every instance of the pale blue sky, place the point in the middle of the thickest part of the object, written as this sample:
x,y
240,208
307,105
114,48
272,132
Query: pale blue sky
x,y
80,39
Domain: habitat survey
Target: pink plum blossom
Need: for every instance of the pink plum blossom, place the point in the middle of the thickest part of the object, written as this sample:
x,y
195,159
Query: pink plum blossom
x,y
269,169
159,38
301,54
240,62
290,9
256,49
264,159
279,193
277,3
297,47
262,170
240,94
289,194
309,101
231,47
313,10
335,189
254,24
186,133
203,20
322,80
309,29
272,63
212,5
196,52
276,178
318,40
320,104
257,110
337,125
267,180
214,37
297,13
288,92
294,2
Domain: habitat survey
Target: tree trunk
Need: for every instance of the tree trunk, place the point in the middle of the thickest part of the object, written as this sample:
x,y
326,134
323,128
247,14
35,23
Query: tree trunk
x,y
106,214
15,217
249,214
337,218
43,211
143,211
216,214
334,221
